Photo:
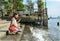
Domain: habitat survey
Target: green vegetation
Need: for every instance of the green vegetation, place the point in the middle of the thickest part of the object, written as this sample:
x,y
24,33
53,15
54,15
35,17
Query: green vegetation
x,y
40,5
17,5
29,6
10,6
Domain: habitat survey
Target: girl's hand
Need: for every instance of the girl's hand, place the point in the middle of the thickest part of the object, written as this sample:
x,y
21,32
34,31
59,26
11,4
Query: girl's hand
x,y
19,20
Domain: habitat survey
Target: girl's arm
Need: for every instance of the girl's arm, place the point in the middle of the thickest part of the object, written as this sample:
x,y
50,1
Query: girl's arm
x,y
19,20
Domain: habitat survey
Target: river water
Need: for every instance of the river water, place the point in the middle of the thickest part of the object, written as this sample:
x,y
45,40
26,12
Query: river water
x,y
39,33
50,33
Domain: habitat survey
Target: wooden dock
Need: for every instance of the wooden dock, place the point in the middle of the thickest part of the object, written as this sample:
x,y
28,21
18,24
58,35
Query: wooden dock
x,y
16,37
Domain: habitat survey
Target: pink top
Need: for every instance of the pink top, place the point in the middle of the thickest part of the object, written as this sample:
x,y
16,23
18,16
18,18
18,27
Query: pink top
x,y
14,22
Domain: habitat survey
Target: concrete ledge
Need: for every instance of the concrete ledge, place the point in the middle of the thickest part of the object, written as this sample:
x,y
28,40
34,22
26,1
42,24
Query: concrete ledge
x,y
3,34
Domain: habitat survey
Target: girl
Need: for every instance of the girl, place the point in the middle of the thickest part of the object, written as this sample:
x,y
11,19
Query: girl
x,y
14,25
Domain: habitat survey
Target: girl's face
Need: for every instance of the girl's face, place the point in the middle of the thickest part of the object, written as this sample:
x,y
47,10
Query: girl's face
x,y
16,16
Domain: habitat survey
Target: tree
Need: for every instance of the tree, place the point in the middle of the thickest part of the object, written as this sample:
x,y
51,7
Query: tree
x,y
40,10
19,5
13,5
40,6
7,6
30,5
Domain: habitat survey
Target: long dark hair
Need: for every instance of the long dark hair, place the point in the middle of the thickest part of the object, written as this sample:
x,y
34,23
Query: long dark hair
x,y
14,15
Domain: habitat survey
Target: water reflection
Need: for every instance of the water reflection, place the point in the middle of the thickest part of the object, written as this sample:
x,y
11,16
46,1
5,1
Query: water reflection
x,y
40,34
54,29
27,34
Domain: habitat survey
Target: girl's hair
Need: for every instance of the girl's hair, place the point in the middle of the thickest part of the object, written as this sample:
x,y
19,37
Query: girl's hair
x,y
14,14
